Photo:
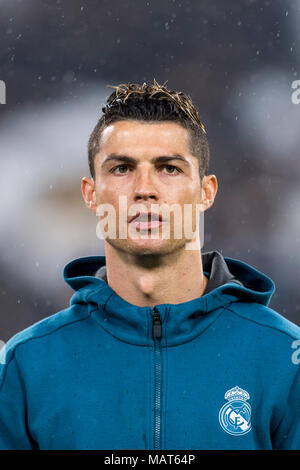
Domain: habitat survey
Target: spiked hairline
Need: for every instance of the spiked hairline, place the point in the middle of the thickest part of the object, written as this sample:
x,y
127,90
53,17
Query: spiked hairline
x,y
183,102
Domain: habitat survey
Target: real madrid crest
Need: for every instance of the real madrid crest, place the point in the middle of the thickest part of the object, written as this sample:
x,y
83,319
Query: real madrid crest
x,y
235,415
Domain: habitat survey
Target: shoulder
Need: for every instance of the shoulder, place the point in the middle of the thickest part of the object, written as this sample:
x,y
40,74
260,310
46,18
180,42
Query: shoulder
x,y
44,329
259,316
271,341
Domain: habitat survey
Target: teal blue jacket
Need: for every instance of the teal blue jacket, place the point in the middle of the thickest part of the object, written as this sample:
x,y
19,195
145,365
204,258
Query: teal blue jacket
x,y
217,372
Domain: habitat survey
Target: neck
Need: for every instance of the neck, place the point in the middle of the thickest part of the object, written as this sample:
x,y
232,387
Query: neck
x,y
150,280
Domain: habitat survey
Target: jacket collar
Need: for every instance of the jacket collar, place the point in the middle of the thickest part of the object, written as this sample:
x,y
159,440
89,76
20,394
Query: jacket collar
x,y
230,280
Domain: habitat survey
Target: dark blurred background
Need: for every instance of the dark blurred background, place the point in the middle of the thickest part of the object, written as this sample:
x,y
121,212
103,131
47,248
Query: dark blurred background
x,y
236,60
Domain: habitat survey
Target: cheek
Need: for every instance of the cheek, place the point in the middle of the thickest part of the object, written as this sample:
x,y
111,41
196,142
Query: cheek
x,y
104,193
108,193
190,195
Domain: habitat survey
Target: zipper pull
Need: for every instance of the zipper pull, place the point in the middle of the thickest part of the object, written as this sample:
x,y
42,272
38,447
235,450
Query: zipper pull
x,y
156,328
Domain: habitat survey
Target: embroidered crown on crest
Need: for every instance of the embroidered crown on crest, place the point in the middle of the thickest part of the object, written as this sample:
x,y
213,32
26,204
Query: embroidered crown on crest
x,y
237,393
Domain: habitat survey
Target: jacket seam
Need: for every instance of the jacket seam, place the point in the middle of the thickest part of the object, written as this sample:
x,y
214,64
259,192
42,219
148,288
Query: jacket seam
x,y
95,292
261,324
32,338
33,443
6,368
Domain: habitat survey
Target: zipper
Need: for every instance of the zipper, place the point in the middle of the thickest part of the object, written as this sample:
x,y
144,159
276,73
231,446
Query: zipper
x,y
156,334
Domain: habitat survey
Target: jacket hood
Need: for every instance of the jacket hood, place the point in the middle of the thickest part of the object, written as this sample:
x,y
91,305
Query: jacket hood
x,y
229,280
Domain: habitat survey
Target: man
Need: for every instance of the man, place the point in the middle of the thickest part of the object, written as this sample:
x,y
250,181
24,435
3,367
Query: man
x,y
162,346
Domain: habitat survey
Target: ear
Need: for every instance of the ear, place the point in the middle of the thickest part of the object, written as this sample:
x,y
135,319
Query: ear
x,y
88,193
209,188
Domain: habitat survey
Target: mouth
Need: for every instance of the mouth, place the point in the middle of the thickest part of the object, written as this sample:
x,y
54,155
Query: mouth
x,y
146,220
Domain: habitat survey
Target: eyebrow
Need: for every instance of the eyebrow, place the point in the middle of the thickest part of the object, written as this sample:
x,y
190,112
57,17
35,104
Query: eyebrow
x,y
160,159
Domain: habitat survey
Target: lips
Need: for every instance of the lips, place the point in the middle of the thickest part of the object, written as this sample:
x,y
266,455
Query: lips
x,y
146,217
145,221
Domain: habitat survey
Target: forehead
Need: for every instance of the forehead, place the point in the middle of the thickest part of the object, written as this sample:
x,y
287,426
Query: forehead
x,y
131,135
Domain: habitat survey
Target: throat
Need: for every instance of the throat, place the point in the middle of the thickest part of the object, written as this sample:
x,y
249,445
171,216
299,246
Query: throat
x,y
148,286
153,290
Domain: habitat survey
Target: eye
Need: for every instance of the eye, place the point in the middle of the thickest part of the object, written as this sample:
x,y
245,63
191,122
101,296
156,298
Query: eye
x,y
119,167
173,169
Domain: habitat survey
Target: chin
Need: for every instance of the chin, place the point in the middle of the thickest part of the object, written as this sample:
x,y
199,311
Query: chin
x,y
147,246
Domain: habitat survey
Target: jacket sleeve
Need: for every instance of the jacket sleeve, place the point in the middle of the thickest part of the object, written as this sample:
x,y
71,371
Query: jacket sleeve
x,y
13,432
287,434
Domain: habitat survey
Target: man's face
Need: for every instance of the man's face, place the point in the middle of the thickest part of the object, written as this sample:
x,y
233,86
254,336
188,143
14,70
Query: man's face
x,y
130,164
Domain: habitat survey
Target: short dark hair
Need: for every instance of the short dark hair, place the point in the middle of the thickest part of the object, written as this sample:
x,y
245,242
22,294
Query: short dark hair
x,y
151,103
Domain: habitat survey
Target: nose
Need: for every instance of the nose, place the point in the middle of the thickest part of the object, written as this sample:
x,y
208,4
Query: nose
x,y
145,187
